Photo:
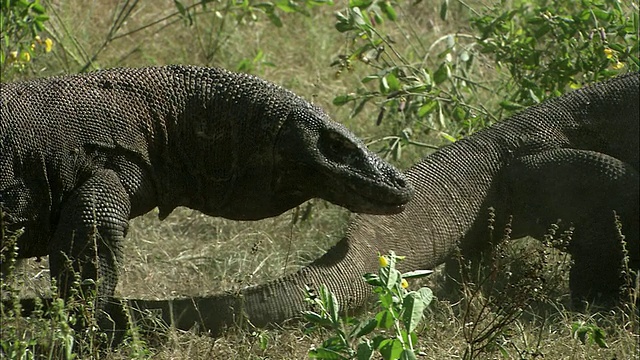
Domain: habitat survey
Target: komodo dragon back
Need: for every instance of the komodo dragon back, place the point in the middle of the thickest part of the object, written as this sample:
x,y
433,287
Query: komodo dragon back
x,y
85,153
573,158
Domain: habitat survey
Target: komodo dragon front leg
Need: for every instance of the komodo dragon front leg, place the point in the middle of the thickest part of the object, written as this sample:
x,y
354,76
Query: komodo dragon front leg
x,y
582,188
88,239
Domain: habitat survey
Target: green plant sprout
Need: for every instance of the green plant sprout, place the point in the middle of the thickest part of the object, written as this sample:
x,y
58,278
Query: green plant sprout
x,y
391,333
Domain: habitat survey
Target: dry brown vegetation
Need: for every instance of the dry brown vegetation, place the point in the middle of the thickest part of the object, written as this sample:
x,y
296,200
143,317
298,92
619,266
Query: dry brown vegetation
x,y
192,254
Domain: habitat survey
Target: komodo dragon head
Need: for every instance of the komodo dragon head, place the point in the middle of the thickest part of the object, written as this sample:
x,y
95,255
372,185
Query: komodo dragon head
x,y
317,157
264,150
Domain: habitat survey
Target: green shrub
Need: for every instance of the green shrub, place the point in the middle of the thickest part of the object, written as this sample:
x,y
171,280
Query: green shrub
x,y
21,23
538,48
401,312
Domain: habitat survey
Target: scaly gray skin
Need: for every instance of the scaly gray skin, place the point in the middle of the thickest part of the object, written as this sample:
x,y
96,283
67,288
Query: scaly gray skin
x,y
80,155
573,158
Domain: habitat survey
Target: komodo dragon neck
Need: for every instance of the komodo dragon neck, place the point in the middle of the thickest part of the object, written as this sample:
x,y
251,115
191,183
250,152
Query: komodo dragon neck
x,y
249,113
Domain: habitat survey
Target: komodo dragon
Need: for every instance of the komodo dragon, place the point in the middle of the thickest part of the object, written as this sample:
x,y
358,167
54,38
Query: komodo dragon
x,y
573,158
80,155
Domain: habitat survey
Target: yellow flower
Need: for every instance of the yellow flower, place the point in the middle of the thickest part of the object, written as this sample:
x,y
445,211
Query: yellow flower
x,y
383,261
618,65
38,39
13,55
404,284
608,52
33,46
48,44
26,57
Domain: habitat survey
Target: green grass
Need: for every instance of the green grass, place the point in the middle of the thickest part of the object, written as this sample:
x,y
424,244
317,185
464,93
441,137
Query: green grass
x,y
192,254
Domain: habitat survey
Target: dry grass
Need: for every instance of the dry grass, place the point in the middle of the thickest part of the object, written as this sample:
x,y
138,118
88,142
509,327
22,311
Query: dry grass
x,y
192,254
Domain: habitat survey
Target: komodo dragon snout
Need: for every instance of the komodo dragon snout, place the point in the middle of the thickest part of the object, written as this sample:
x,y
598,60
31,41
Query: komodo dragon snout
x,y
316,157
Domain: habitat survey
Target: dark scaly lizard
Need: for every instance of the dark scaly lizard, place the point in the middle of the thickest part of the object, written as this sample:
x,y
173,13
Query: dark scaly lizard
x,y
573,158
80,155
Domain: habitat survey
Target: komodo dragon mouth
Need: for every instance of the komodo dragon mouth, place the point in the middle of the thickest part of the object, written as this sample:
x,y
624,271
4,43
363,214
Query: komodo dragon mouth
x,y
358,179
363,194
353,177
381,208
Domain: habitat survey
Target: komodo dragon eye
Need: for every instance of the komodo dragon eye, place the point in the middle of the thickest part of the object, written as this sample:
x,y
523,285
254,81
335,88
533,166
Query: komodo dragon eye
x,y
337,147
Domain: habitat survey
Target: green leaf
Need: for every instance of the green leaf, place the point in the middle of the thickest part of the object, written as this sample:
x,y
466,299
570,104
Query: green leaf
x,y
407,354
358,18
417,274
384,86
365,350
384,319
443,73
331,304
393,82
368,78
287,6
417,88
426,294
316,319
443,9
429,106
389,276
385,297
413,313
360,106
601,14
584,15
274,18
180,6
391,349
344,23
408,337
335,343
37,8
364,328
39,23
459,114
41,18
184,13
360,3
510,105
377,341
448,137
584,332
372,279
599,338
343,99
377,19
617,47
341,17
389,11
263,340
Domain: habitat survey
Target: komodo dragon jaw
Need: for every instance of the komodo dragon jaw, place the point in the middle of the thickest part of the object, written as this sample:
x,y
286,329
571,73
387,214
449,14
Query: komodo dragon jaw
x,y
320,158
